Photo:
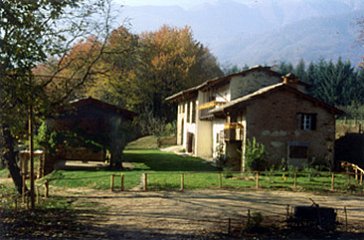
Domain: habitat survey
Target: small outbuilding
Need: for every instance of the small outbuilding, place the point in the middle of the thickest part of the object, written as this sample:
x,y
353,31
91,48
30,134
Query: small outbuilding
x,y
88,128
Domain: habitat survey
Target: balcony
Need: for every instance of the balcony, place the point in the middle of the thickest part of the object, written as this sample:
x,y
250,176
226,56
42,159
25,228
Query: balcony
x,y
233,132
205,108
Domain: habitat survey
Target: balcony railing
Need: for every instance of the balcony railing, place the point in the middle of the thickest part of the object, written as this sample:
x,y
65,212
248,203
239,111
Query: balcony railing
x,y
206,107
233,132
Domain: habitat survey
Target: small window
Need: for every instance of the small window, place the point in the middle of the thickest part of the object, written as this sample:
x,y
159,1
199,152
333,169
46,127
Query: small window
x,y
297,151
188,112
307,121
217,137
193,111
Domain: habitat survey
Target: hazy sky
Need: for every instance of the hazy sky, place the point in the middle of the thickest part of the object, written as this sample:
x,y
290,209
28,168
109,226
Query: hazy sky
x,y
182,3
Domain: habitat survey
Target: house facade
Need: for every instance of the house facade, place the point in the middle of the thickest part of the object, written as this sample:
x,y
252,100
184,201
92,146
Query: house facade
x,y
219,116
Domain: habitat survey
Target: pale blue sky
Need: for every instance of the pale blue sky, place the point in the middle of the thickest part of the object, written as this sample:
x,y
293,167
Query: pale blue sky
x,y
182,3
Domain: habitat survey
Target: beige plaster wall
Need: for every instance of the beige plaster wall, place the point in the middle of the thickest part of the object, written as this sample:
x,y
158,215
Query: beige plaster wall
x,y
203,137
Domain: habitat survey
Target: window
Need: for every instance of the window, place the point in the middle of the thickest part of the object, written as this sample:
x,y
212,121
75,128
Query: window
x,y
296,151
307,121
188,112
193,111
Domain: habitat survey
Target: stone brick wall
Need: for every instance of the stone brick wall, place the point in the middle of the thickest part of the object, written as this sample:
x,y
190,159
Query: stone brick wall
x,y
273,121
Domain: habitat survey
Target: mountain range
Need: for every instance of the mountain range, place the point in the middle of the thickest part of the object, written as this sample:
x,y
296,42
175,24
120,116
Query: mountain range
x,y
252,32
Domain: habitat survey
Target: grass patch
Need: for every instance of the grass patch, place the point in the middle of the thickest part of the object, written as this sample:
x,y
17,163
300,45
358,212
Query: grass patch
x,y
165,169
155,160
4,173
148,142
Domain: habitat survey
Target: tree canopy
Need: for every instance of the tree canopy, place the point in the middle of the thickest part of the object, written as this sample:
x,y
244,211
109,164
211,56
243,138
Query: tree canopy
x,y
337,83
31,32
139,71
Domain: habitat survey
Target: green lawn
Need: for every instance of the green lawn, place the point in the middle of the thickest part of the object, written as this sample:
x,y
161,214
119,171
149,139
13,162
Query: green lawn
x,y
4,173
165,172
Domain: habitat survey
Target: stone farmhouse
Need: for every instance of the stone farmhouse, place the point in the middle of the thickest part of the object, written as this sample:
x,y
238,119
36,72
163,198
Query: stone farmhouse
x,y
218,117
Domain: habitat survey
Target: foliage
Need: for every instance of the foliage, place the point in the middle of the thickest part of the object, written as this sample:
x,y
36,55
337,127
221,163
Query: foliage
x,y
354,111
339,83
292,171
140,71
221,158
254,222
254,155
32,34
231,69
311,172
45,138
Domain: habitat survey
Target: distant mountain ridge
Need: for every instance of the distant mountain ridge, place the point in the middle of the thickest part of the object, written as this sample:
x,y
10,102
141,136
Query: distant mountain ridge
x,y
263,31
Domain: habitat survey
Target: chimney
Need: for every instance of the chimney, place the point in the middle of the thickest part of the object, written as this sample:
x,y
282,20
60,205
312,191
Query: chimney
x,y
291,79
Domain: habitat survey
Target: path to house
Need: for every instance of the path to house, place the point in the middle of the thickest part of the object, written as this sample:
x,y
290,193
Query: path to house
x,y
198,214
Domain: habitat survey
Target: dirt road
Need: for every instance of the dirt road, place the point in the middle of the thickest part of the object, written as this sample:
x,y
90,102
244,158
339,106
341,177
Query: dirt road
x,y
201,214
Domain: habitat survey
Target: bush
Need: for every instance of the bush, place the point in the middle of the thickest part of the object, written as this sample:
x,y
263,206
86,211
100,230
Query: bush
x,y
254,155
254,222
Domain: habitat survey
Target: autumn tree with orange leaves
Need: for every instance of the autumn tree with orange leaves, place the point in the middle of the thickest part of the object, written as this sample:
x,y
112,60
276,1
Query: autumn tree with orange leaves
x,y
140,71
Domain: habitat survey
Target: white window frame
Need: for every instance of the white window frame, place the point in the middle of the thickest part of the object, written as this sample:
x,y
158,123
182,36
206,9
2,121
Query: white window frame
x,y
306,121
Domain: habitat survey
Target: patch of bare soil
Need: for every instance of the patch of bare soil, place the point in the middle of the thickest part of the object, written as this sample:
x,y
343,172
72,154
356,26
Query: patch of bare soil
x,y
208,214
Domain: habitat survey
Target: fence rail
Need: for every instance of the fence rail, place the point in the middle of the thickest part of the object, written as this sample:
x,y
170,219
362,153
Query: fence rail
x,y
313,181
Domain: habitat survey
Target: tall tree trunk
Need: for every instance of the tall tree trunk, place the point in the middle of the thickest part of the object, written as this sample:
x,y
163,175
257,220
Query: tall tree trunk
x,y
10,158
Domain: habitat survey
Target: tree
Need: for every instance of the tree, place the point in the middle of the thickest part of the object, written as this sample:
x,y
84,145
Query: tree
x,y
231,69
333,83
117,83
254,156
31,32
300,70
171,60
285,68
140,71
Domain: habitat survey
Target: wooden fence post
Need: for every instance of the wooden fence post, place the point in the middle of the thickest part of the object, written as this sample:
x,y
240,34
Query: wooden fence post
x,y
295,180
248,221
46,184
38,196
333,182
361,178
356,175
220,180
257,180
16,203
349,178
122,182
145,181
112,179
182,182
287,212
23,189
346,219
